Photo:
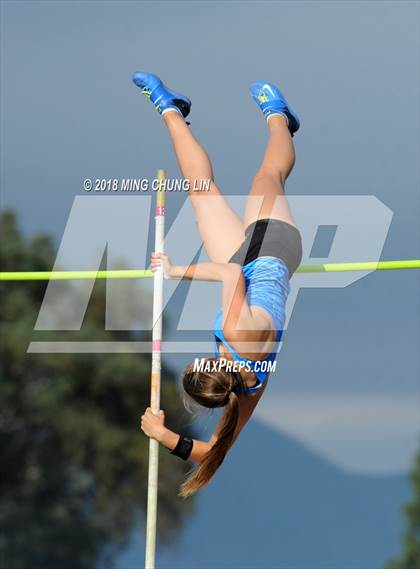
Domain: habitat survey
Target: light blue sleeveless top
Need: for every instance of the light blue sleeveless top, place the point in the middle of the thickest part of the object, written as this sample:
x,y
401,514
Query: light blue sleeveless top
x,y
267,286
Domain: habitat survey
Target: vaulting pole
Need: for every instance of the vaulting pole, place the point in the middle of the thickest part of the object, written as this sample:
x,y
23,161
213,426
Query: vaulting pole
x,y
152,491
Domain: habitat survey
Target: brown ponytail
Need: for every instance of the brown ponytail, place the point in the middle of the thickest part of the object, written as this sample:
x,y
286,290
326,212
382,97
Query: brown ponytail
x,y
213,389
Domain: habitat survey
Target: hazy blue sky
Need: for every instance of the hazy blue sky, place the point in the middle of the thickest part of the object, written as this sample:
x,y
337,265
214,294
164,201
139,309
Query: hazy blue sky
x,y
347,385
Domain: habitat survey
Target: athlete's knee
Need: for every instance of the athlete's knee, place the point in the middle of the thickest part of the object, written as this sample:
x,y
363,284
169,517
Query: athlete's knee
x,y
268,175
199,186
198,181
277,174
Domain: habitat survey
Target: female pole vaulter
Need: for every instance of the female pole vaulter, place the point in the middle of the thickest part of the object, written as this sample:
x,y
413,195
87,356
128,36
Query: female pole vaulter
x,y
253,258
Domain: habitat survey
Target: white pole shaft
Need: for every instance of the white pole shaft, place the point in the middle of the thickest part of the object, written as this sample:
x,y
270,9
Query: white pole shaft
x,y
152,489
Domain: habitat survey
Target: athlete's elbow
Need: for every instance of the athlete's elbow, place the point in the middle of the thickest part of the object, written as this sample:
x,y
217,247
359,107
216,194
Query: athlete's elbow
x,y
233,270
198,454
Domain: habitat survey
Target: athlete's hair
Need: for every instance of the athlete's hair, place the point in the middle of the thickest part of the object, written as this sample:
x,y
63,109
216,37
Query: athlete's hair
x,y
212,389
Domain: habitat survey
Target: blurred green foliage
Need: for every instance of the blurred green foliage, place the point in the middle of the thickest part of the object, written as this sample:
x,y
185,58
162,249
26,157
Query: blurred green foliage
x,y
74,462
410,558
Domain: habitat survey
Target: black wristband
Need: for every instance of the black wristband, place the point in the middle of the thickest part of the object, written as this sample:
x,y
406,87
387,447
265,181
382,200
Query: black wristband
x,y
183,448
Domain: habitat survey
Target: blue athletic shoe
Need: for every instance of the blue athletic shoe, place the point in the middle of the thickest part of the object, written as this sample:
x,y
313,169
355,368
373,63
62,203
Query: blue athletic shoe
x,y
271,102
162,97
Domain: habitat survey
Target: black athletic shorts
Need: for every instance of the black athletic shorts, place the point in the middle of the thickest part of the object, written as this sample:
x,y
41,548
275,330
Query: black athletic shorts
x,y
273,238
